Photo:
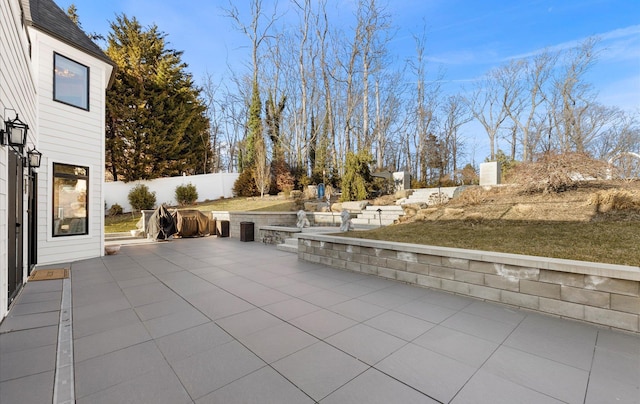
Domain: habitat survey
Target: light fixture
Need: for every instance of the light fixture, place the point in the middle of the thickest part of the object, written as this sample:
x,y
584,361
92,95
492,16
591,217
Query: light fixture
x,y
34,157
15,133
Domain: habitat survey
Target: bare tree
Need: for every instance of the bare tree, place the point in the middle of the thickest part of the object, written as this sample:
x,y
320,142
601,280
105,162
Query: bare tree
x,y
529,93
487,104
455,114
573,97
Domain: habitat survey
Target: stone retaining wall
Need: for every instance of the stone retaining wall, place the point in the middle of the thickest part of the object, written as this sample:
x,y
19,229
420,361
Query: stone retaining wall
x,y
603,294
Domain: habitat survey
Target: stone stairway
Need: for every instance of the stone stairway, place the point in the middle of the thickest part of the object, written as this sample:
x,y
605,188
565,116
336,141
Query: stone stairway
x,y
370,218
429,196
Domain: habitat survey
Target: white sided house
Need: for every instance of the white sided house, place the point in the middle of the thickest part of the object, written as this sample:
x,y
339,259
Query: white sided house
x,y
53,78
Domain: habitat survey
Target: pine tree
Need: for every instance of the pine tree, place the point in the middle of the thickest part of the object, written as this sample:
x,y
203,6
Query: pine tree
x,y
156,123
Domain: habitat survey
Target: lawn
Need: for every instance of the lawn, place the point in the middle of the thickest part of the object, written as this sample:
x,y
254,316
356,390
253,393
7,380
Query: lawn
x,y
127,221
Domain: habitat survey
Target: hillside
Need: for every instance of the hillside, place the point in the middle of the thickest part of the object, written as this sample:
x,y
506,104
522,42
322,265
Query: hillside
x,y
596,221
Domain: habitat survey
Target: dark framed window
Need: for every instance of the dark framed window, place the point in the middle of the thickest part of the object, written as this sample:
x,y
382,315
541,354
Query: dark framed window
x,y
70,200
70,82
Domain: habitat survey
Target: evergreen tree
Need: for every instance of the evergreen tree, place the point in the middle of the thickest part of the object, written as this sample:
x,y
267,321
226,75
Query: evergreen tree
x,y
254,127
155,121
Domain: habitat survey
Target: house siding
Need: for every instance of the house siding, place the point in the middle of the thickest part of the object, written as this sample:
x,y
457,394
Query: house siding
x,y
18,92
69,135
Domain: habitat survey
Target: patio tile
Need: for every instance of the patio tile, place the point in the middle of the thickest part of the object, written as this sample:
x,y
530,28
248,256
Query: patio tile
x,y
298,289
27,362
99,373
27,321
358,310
400,325
98,309
366,343
554,379
325,298
186,287
374,387
426,311
291,308
485,388
386,299
218,304
481,327
606,389
209,370
247,322
274,343
353,290
624,368
104,322
138,281
561,341
266,297
169,324
20,309
319,369
110,340
192,341
619,342
407,290
433,374
457,345
28,339
146,294
29,389
445,299
264,386
162,308
322,323
158,386
33,297
495,312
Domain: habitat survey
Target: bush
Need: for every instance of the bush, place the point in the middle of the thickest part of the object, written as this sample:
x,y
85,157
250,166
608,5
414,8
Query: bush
x,y
357,180
114,210
245,184
557,172
186,194
141,198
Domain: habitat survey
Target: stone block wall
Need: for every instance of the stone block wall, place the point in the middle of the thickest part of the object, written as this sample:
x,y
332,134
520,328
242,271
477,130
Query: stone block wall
x,y
603,294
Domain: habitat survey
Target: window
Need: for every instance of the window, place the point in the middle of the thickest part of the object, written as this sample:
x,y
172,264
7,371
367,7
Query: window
x,y
70,200
70,82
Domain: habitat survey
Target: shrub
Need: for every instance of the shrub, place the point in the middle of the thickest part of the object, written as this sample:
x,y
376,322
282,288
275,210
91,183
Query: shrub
x,y
245,184
141,198
557,172
357,180
186,194
114,210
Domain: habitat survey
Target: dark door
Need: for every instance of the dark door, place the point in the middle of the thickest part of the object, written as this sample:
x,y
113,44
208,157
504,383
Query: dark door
x,y
14,223
32,217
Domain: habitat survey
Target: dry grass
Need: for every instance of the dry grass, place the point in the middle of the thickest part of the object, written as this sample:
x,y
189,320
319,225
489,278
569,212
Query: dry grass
x,y
596,221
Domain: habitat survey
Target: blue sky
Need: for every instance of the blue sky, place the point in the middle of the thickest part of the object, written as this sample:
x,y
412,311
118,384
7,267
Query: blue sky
x,y
464,37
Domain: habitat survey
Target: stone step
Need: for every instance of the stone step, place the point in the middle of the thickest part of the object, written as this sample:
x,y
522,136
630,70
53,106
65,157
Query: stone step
x,y
373,222
375,215
289,245
386,208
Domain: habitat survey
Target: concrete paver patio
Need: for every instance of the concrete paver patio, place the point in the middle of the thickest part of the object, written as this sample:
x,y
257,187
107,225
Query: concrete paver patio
x,y
220,321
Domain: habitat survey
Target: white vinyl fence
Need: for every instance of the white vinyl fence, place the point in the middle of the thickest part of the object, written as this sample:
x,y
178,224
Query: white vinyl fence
x,y
209,186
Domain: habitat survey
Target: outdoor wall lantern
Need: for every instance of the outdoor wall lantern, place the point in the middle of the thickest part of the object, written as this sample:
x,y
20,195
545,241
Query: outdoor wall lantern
x,y
34,157
15,133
